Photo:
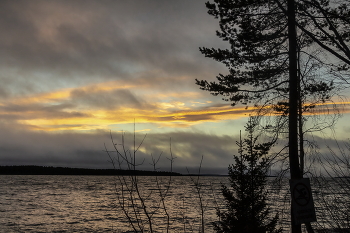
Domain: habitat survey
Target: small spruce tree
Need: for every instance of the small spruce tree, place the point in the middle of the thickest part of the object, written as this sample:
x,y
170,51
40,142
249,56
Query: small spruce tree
x,y
246,199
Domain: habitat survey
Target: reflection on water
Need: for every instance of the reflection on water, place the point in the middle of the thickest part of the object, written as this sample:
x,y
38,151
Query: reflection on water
x,y
90,203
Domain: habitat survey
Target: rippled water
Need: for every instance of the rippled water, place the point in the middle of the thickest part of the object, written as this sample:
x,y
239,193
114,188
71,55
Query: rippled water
x,y
55,203
93,203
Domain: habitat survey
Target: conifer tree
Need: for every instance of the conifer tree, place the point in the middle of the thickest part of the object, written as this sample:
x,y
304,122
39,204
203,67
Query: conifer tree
x,y
258,57
270,43
246,198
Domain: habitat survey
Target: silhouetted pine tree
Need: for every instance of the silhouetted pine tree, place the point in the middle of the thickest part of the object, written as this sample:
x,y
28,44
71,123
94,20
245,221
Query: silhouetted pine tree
x,y
246,199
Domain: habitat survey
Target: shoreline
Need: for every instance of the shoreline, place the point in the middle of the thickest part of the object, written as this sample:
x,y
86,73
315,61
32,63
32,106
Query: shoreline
x,y
48,170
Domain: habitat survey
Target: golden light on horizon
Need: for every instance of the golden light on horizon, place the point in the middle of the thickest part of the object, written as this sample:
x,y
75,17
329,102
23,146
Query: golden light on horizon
x,y
181,117
61,110
103,119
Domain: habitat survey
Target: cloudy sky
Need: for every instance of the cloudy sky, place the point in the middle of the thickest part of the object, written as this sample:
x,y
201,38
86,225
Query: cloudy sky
x,y
72,71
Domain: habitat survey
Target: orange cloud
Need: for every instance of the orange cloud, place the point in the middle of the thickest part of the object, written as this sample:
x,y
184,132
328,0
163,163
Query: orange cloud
x,y
56,111
102,119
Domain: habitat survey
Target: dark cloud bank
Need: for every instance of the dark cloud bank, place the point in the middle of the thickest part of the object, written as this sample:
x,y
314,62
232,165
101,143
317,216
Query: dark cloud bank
x,y
86,150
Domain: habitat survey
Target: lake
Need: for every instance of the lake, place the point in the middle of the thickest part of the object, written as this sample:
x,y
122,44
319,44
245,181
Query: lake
x,y
104,203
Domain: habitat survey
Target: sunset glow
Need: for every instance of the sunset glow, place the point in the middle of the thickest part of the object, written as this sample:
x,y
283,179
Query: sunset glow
x,y
74,73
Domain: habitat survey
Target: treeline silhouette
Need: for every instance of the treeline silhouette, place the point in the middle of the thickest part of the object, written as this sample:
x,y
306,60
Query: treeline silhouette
x,y
47,170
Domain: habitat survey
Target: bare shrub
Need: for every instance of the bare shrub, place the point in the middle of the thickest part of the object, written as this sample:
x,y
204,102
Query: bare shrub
x,y
151,206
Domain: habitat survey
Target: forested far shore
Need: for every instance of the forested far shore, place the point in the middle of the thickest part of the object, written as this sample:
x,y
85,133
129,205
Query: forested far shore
x,y
47,170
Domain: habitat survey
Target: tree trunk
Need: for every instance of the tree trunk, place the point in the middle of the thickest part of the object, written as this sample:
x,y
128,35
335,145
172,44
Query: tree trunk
x,y
293,104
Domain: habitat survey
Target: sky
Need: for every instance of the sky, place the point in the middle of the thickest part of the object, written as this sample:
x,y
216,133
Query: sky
x,y
75,73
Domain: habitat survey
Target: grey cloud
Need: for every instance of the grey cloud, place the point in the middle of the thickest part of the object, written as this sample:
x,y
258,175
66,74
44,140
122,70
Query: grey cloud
x,y
93,38
188,148
108,100
37,111
21,147
321,153
3,92
86,150
69,149
35,107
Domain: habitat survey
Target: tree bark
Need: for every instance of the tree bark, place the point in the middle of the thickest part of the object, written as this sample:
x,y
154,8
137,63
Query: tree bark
x,y
293,104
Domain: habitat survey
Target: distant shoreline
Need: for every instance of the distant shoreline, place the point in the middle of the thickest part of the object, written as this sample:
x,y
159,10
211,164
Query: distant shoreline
x,y
50,170
47,170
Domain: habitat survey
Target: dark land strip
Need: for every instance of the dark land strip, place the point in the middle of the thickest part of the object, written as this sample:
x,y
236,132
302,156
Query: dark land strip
x,y
47,170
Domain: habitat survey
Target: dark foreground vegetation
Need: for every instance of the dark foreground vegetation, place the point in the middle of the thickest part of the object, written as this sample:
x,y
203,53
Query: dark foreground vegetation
x,y
41,170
